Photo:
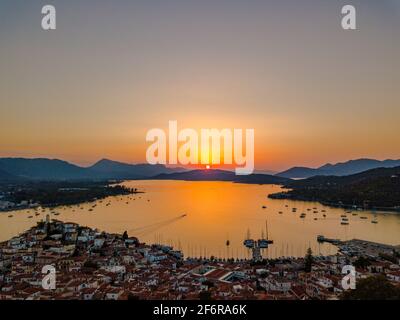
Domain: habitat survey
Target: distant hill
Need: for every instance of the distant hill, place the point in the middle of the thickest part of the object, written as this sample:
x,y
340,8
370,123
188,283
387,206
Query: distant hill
x,y
221,175
375,188
300,173
54,169
43,169
119,170
339,169
5,176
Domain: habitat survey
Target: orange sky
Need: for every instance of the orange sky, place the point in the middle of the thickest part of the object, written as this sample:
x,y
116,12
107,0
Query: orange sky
x,y
313,92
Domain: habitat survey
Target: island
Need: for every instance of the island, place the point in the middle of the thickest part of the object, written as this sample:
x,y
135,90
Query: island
x,y
32,194
376,189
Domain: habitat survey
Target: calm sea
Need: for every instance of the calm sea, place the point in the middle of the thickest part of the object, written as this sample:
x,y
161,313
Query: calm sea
x,y
199,218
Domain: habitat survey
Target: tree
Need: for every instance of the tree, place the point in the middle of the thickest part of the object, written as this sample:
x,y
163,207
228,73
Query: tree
x,y
372,288
125,235
131,296
308,260
205,295
362,262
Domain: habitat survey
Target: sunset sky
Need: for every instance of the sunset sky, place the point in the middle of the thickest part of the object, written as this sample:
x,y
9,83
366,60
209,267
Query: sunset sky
x,y
313,92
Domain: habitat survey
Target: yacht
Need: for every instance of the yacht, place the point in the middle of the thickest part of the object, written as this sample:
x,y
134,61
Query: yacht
x,y
249,243
262,243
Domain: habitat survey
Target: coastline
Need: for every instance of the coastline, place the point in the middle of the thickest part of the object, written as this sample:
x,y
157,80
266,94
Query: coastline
x,y
288,196
64,194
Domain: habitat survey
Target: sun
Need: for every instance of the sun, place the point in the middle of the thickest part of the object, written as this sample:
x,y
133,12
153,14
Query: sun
x,y
208,167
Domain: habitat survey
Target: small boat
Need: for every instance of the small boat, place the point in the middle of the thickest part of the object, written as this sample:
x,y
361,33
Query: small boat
x,y
264,207
375,221
36,214
345,219
262,243
323,210
90,209
364,218
303,215
315,218
280,212
10,216
344,223
354,214
57,214
343,216
249,243
30,217
324,215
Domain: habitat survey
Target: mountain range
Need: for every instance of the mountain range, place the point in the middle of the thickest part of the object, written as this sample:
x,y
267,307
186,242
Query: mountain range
x,y
338,169
375,188
54,169
221,175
